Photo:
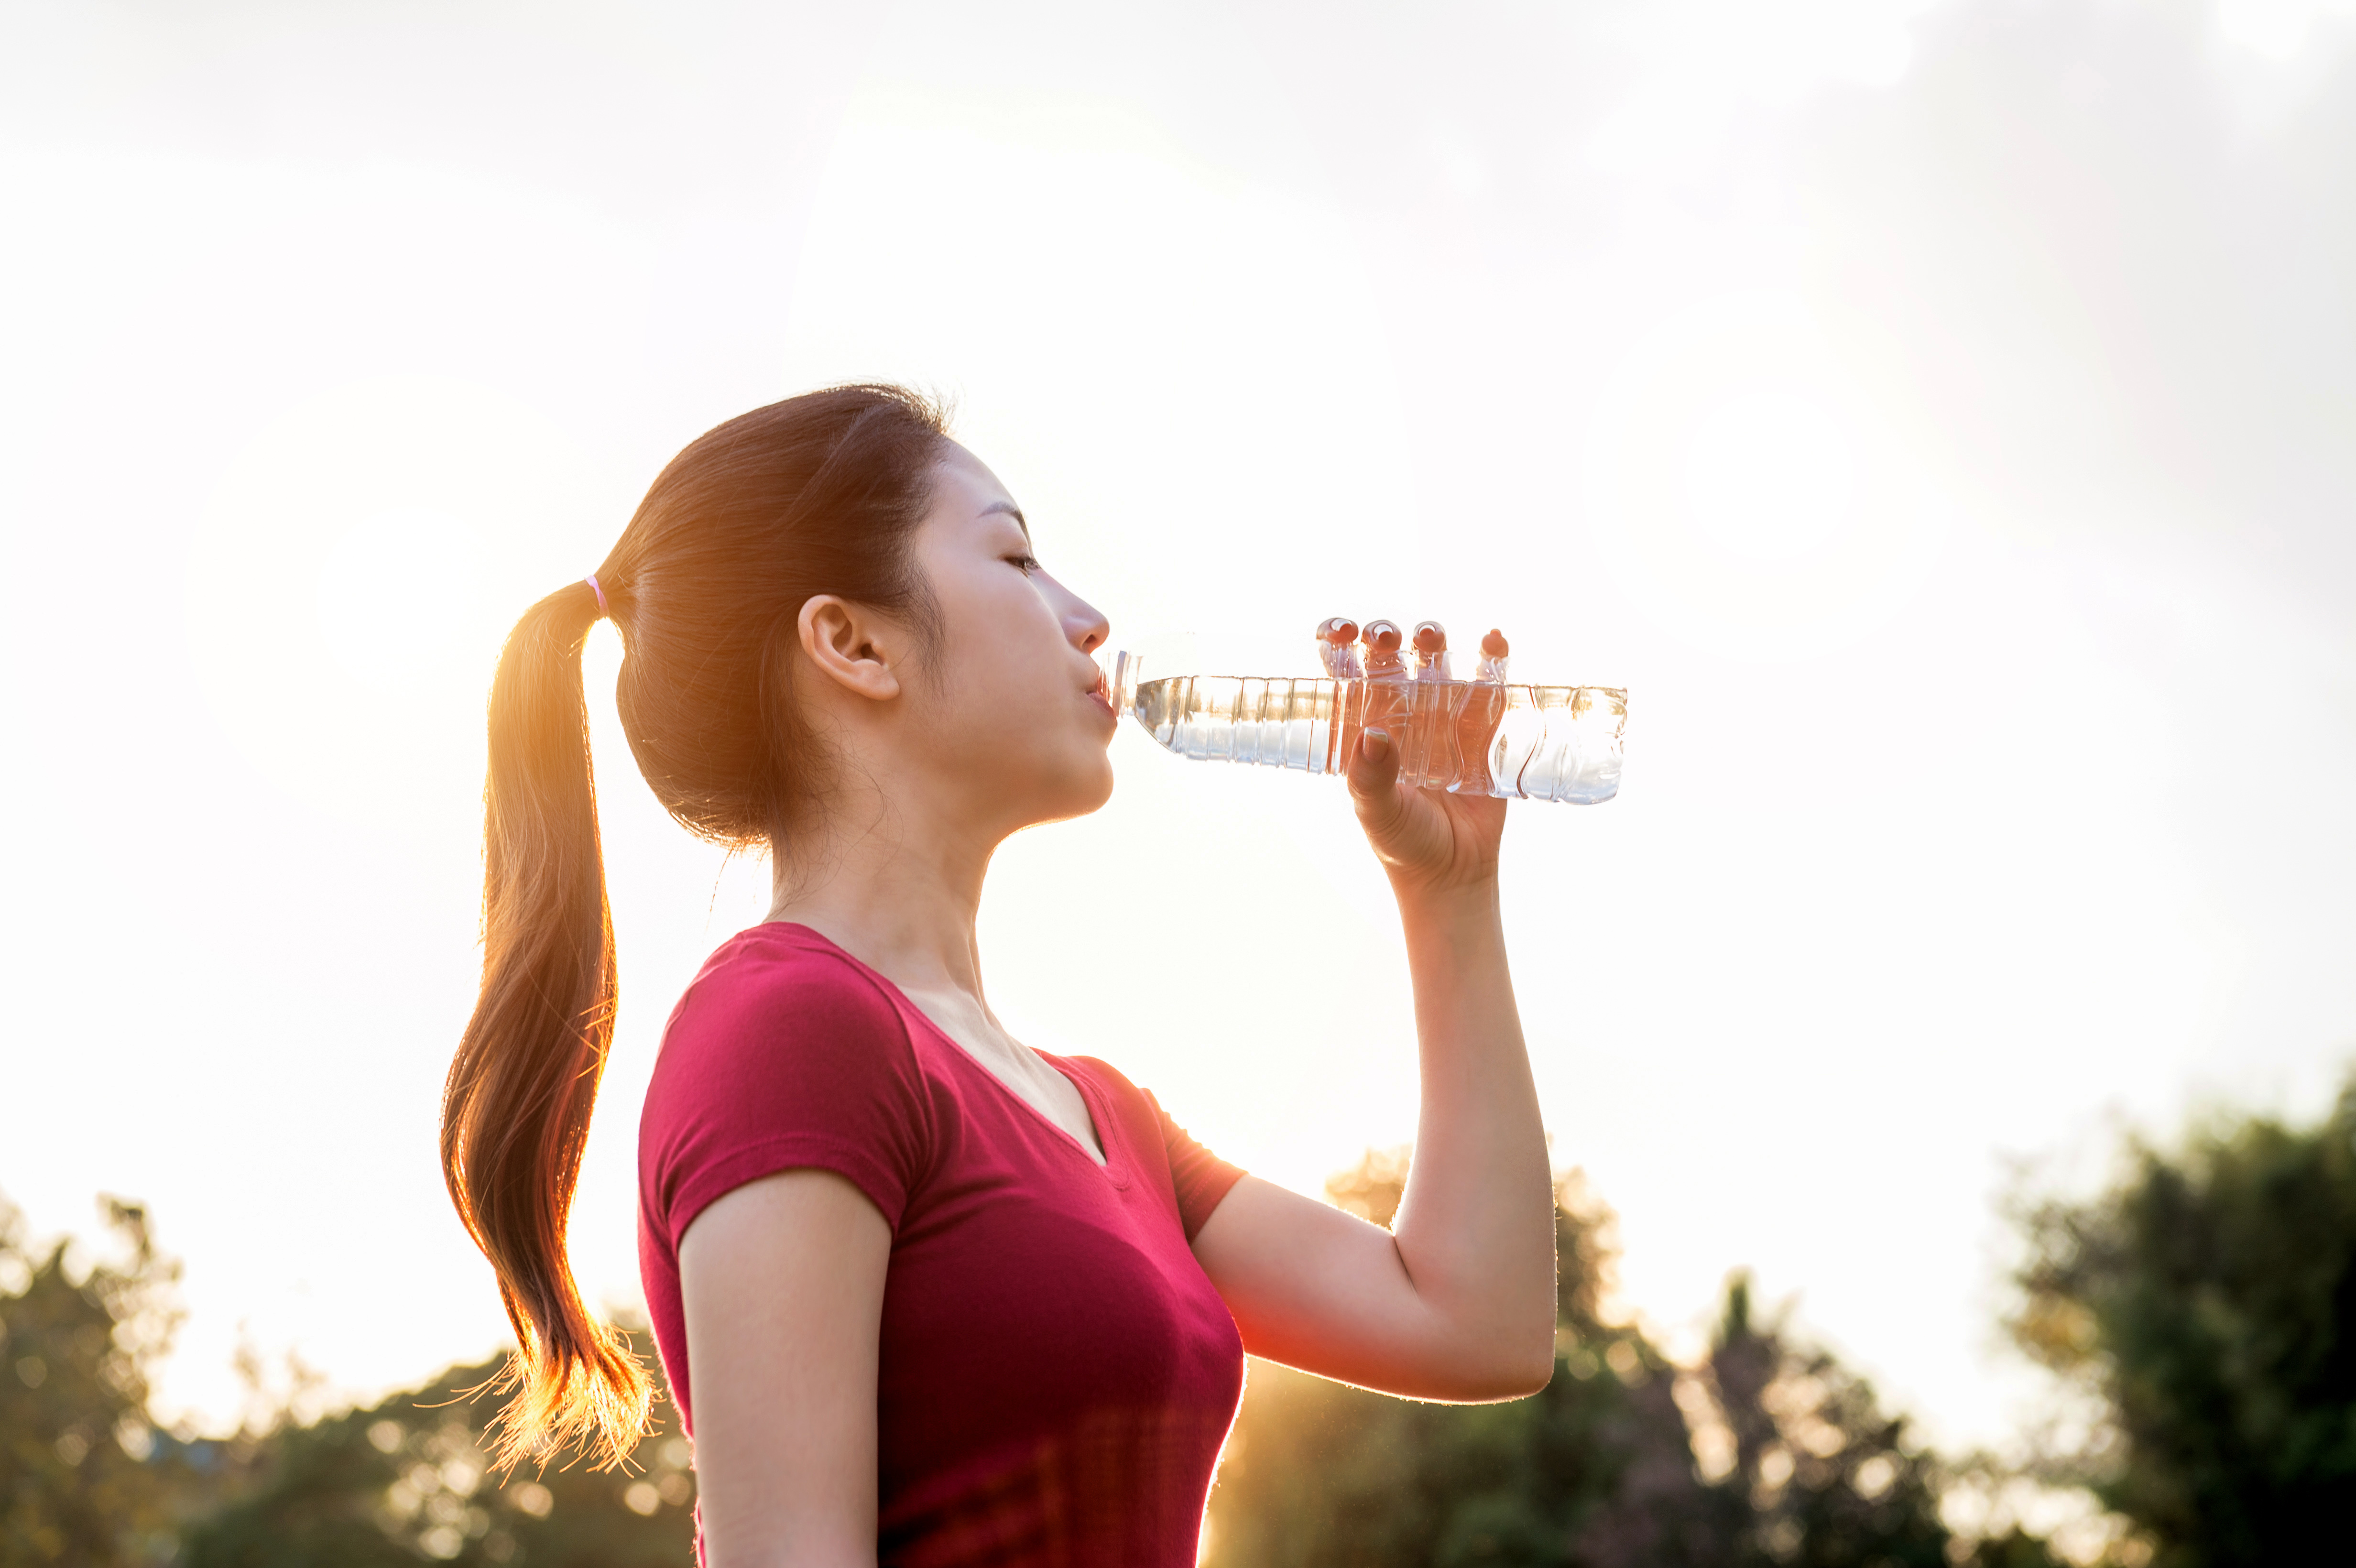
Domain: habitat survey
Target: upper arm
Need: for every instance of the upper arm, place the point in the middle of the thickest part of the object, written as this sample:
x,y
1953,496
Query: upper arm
x,y
1327,1292
782,1281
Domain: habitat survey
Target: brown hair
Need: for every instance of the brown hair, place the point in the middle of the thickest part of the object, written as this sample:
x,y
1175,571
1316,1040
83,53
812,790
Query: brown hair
x,y
820,494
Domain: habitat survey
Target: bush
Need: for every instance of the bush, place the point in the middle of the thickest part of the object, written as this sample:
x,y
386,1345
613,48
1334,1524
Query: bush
x,y
1599,1469
83,1478
2206,1304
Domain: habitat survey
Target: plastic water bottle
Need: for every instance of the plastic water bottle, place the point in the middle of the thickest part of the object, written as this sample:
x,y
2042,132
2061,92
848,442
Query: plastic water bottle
x,y
1481,736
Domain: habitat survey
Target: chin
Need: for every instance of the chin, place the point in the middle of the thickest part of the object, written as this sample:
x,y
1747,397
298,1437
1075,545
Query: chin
x,y
1078,791
1101,791
1093,788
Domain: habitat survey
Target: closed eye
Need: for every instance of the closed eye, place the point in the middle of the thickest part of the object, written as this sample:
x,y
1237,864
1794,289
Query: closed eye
x,y
1026,564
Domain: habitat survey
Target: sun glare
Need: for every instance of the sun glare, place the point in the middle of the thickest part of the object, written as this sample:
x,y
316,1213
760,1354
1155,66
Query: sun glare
x,y
1743,488
359,564
1768,473
435,628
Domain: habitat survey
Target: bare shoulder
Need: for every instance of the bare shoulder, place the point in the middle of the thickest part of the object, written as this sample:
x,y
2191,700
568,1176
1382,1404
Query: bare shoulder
x,y
777,1214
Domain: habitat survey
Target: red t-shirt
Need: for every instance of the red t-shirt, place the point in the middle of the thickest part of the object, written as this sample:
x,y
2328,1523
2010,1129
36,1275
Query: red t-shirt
x,y
1058,1374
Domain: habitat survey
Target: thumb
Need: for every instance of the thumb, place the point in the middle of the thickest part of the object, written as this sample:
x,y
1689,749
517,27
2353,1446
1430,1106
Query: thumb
x,y
1374,774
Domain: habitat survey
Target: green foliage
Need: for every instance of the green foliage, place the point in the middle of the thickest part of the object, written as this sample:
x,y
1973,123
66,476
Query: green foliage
x,y
409,1480
1597,1470
2015,1548
86,1481
83,1478
2207,1301
1819,1476
2205,1298
1319,1473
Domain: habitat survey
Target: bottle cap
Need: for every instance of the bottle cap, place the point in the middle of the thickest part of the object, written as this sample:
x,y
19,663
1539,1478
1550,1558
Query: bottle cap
x,y
1383,636
1338,630
1431,637
1494,644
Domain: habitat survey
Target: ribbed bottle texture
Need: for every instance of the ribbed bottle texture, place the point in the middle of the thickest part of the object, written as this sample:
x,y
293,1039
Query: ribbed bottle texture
x,y
1479,736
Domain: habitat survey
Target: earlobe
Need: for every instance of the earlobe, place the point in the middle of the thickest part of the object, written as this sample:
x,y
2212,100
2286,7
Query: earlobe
x,y
850,644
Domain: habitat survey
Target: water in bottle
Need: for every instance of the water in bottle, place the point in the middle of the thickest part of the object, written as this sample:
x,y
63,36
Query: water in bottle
x,y
1480,736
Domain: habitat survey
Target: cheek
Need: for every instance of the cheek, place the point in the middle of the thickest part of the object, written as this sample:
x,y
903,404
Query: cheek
x,y
1004,699
1010,641
997,682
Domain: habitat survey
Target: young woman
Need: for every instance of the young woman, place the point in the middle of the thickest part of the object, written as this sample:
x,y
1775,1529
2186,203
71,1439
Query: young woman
x,y
926,1295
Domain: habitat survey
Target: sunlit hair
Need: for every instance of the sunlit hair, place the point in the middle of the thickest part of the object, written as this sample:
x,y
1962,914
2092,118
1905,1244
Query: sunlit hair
x,y
820,494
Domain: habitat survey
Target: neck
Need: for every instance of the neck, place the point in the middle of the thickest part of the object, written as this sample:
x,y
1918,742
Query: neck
x,y
898,888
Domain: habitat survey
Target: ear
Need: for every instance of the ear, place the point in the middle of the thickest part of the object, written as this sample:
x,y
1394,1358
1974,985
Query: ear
x,y
853,645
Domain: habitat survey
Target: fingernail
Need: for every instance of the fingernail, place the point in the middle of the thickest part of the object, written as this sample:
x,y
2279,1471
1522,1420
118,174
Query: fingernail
x,y
1376,743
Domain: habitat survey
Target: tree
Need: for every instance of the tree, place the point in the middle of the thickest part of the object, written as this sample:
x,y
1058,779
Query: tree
x,y
84,1480
1320,1473
1816,1475
409,1478
2206,1303
1598,1471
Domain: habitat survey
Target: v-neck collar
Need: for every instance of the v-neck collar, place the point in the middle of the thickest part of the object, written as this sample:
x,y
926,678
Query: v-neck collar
x,y
1100,1117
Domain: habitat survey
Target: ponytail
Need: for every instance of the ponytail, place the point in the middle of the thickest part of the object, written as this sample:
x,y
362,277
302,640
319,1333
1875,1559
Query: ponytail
x,y
819,494
515,1112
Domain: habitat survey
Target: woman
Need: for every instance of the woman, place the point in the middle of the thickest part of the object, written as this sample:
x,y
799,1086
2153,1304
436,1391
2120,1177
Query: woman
x,y
926,1295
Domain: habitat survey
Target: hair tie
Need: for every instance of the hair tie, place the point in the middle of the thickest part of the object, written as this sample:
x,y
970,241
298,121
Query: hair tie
x,y
591,581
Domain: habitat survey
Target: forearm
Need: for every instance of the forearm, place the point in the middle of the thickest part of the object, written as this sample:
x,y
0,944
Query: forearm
x,y
1475,1230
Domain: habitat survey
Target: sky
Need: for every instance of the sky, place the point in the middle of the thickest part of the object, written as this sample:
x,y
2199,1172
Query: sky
x,y
1936,416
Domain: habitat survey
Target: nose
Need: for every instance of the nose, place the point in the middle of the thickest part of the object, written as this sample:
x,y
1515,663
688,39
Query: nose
x,y
1084,623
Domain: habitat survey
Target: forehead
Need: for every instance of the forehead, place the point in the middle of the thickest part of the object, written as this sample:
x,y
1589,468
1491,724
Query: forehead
x,y
967,493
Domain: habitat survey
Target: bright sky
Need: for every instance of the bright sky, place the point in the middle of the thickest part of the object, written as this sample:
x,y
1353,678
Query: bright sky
x,y
1936,416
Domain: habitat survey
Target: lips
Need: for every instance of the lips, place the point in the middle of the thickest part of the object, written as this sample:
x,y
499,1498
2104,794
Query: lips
x,y
1101,695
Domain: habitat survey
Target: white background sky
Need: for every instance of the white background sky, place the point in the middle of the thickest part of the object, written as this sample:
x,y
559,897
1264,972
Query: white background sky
x,y
1937,416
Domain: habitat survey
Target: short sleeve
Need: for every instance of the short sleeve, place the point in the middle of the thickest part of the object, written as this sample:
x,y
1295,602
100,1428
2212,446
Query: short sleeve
x,y
780,1059
1201,1177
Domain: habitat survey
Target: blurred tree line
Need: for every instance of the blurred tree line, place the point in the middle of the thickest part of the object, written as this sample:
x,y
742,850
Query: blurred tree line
x,y
86,1481
1769,1452
2204,1309
2201,1311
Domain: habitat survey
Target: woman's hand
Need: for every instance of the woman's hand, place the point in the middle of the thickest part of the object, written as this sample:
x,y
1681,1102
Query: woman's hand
x,y
1429,841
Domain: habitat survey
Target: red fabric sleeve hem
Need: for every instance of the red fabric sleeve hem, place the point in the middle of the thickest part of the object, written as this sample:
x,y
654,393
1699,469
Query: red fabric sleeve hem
x,y
1206,1196
801,1151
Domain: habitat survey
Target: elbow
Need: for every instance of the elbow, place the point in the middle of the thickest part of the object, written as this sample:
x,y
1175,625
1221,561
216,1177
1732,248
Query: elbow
x,y
1525,1376
1496,1372
1526,1357
1496,1385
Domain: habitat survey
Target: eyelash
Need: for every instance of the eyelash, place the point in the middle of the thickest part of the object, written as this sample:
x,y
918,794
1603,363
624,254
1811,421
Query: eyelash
x,y
1026,564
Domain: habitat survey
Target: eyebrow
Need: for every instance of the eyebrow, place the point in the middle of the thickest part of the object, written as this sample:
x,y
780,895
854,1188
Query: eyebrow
x,y
1012,510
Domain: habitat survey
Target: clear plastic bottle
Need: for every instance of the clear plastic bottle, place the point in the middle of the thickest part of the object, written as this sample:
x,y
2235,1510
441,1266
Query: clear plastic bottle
x,y
1481,736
